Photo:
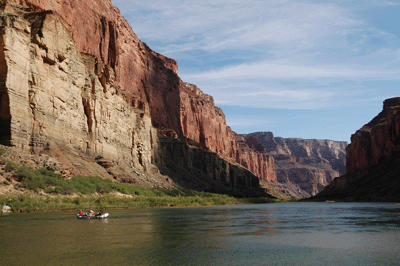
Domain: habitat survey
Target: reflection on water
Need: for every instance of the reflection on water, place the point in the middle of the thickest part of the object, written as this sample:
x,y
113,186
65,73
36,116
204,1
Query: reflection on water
x,y
266,234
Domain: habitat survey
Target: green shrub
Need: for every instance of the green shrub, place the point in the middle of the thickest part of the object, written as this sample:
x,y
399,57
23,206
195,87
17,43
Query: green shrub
x,y
10,166
83,185
66,189
2,151
52,183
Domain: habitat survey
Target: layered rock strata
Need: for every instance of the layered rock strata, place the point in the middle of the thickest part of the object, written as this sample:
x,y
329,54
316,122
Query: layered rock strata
x,y
251,156
376,139
52,92
98,29
309,164
59,101
372,160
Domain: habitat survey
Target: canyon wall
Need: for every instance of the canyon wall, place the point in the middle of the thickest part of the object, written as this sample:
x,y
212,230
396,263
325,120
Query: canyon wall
x,y
99,29
251,156
205,123
309,164
373,160
191,166
51,92
58,100
376,139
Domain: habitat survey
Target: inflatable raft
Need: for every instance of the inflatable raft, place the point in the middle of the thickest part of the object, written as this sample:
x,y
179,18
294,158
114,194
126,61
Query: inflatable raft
x,y
96,216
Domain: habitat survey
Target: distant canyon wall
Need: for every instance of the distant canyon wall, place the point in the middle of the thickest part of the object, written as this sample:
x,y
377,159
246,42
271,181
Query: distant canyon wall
x,y
310,164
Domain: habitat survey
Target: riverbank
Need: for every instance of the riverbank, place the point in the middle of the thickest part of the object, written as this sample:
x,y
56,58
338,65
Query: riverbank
x,y
36,203
33,189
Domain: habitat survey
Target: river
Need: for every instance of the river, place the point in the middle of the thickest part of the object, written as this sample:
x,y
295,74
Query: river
x,y
263,234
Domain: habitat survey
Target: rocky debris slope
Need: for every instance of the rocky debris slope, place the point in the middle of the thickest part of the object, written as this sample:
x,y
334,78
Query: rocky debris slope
x,y
307,165
373,160
72,106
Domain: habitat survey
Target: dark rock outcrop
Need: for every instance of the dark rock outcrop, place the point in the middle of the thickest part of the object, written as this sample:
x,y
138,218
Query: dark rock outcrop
x,y
308,164
191,166
373,160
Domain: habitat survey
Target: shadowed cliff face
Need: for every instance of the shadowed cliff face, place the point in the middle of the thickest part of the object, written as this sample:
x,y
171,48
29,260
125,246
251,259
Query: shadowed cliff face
x,y
190,166
309,164
373,165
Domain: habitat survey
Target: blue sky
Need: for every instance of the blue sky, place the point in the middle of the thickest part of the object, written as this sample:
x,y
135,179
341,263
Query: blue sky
x,y
305,69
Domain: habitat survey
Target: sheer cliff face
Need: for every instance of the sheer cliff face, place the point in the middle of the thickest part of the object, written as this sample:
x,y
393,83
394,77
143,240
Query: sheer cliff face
x,y
98,29
205,123
193,167
372,160
310,164
252,155
52,93
376,139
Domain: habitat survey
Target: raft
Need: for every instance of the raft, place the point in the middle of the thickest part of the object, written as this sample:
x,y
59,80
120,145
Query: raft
x,y
103,216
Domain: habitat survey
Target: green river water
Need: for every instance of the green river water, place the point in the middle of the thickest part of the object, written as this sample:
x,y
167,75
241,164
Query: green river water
x,y
264,234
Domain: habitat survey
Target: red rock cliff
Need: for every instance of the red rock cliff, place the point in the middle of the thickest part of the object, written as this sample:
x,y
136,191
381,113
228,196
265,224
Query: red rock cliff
x,y
205,123
253,156
373,160
376,139
99,29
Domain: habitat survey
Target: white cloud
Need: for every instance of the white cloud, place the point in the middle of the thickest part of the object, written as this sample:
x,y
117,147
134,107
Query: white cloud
x,y
284,69
217,25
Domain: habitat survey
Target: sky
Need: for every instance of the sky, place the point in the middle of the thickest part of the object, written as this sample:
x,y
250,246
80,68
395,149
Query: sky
x,y
307,69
